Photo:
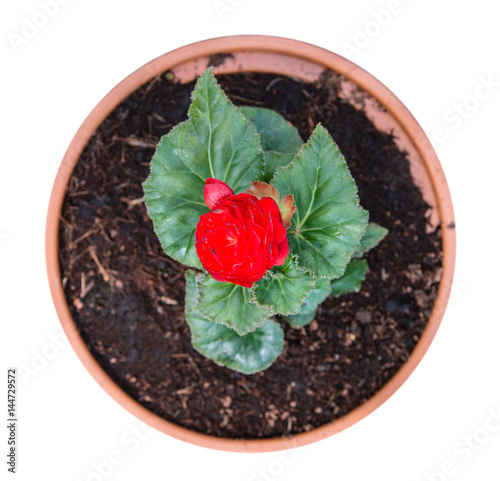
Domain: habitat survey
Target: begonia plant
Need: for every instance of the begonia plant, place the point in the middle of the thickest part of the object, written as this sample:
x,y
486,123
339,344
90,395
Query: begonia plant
x,y
271,226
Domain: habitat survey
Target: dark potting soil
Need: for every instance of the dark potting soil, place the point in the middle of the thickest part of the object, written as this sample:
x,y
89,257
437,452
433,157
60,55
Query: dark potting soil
x,y
127,296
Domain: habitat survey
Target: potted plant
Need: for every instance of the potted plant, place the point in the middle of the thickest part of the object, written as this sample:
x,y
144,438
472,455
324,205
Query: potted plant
x,y
121,300
279,245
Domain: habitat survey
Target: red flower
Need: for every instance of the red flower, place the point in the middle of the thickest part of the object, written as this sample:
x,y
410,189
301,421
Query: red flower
x,y
241,237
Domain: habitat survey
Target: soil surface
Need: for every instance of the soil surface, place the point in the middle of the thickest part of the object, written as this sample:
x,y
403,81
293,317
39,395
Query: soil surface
x,y
127,296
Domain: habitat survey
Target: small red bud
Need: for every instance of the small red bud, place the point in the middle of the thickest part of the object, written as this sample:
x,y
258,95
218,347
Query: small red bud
x,y
215,191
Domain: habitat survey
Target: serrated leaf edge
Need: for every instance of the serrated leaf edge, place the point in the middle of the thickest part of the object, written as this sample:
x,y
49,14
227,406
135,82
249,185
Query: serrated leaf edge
x,y
275,275
239,107
146,187
360,284
240,333
194,336
359,255
192,114
320,127
282,343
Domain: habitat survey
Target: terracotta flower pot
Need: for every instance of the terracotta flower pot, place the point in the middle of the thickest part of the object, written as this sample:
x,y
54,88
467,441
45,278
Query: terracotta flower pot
x,y
304,61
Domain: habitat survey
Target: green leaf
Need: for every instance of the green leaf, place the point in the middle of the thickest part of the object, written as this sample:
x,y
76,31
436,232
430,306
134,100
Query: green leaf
x,y
229,304
275,132
280,140
373,235
321,291
216,141
273,160
250,353
307,310
300,320
283,289
352,279
329,222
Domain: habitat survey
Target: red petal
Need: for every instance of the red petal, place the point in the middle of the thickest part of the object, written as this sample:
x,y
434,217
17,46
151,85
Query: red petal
x,y
269,204
223,240
215,191
217,276
243,282
282,252
249,272
279,231
236,240
210,261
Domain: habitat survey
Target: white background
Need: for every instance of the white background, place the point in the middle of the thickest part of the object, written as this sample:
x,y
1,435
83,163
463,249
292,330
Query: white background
x,y
432,55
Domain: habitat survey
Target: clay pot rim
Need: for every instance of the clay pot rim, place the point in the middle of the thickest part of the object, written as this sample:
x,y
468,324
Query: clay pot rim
x,y
272,45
